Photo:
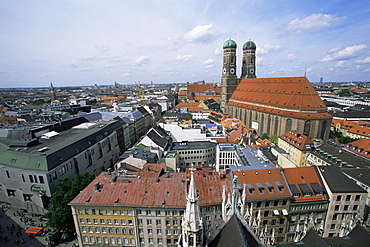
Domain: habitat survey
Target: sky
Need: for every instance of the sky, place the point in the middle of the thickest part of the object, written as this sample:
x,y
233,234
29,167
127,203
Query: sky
x,y
87,42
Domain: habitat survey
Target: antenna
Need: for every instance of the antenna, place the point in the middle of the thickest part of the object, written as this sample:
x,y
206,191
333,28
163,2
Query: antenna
x,y
305,71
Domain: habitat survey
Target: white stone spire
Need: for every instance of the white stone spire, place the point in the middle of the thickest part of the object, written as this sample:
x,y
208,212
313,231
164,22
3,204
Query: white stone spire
x,y
192,224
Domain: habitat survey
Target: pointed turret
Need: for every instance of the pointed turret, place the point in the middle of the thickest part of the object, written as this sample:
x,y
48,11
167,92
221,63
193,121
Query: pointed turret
x,y
192,224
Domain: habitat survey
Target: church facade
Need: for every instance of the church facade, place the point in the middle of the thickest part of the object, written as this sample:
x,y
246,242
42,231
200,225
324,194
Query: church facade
x,y
270,105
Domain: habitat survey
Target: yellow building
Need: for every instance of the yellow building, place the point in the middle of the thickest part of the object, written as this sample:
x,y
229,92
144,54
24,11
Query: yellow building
x,y
298,146
103,225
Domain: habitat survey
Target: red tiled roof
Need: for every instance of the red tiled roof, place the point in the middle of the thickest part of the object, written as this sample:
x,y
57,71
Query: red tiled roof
x,y
289,96
199,88
304,175
297,140
153,188
183,92
205,97
260,177
360,147
360,130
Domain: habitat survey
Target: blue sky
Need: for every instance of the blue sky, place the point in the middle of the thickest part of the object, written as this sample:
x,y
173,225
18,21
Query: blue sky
x,y
102,41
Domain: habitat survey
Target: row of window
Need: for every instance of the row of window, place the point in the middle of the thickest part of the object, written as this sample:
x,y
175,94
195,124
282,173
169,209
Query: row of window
x,y
302,217
159,222
106,221
158,212
105,211
159,241
270,203
159,231
195,157
108,240
348,198
345,207
31,178
109,230
197,151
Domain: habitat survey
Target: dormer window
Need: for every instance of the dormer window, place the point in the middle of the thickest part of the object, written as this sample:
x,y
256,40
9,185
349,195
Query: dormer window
x,y
250,189
306,190
295,191
270,188
260,188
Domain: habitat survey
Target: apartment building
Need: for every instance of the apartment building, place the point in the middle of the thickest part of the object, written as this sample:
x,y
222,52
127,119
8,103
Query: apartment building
x,y
346,201
146,208
31,166
309,204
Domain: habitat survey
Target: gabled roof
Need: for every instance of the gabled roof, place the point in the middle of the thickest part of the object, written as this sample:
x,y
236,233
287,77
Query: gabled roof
x,y
235,234
288,96
308,176
300,141
199,88
152,187
260,180
360,147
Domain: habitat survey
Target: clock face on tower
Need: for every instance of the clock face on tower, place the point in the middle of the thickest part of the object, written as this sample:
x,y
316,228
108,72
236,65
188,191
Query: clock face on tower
x,y
251,71
232,71
224,71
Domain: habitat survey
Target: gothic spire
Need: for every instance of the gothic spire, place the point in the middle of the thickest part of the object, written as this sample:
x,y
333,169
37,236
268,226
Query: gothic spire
x,y
192,225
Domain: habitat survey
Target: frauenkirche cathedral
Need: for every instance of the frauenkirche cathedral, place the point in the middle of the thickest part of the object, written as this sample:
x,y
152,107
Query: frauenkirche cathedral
x,y
270,105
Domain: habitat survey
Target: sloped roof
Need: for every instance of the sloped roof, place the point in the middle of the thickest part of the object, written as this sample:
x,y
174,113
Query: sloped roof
x,y
360,147
305,175
235,234
259,178
300,141
152,187
290,96
199,88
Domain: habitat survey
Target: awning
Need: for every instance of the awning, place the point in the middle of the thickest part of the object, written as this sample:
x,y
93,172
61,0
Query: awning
x,y
276,212
34,230
284,211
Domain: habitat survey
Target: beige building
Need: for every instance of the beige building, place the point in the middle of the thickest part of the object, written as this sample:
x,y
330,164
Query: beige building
x,y
298,146
146,208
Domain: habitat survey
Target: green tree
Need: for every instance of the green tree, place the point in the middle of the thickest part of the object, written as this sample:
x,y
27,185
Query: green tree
x,y
344,92
60,216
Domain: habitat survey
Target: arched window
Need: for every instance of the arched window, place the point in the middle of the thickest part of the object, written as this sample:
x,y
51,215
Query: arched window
x,y
276,126
323,129
307,128
288,125
262,122
250,119
268,131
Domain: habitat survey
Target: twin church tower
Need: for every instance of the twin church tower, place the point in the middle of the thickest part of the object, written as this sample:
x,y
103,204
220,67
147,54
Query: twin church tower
x,y
229,79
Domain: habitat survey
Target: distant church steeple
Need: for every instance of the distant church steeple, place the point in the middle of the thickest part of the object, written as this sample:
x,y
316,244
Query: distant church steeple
x,y
192,223
52,92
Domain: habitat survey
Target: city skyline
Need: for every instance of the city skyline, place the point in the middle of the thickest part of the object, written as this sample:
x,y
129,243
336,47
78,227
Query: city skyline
x,y
81,43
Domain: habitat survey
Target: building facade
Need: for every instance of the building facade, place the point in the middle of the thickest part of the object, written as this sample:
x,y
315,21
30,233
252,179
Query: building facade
x,y
148,208
29,170
270,105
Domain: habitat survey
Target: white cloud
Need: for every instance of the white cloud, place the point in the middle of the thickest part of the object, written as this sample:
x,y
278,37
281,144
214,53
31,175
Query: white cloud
x,y
340,63
268,47
313,23
218,52
142,60
184,58
201,34
292,56
209,63
363,61
346,53
126,74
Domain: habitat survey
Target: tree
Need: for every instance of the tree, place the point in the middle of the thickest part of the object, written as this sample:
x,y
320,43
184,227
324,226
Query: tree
x,y
60,216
